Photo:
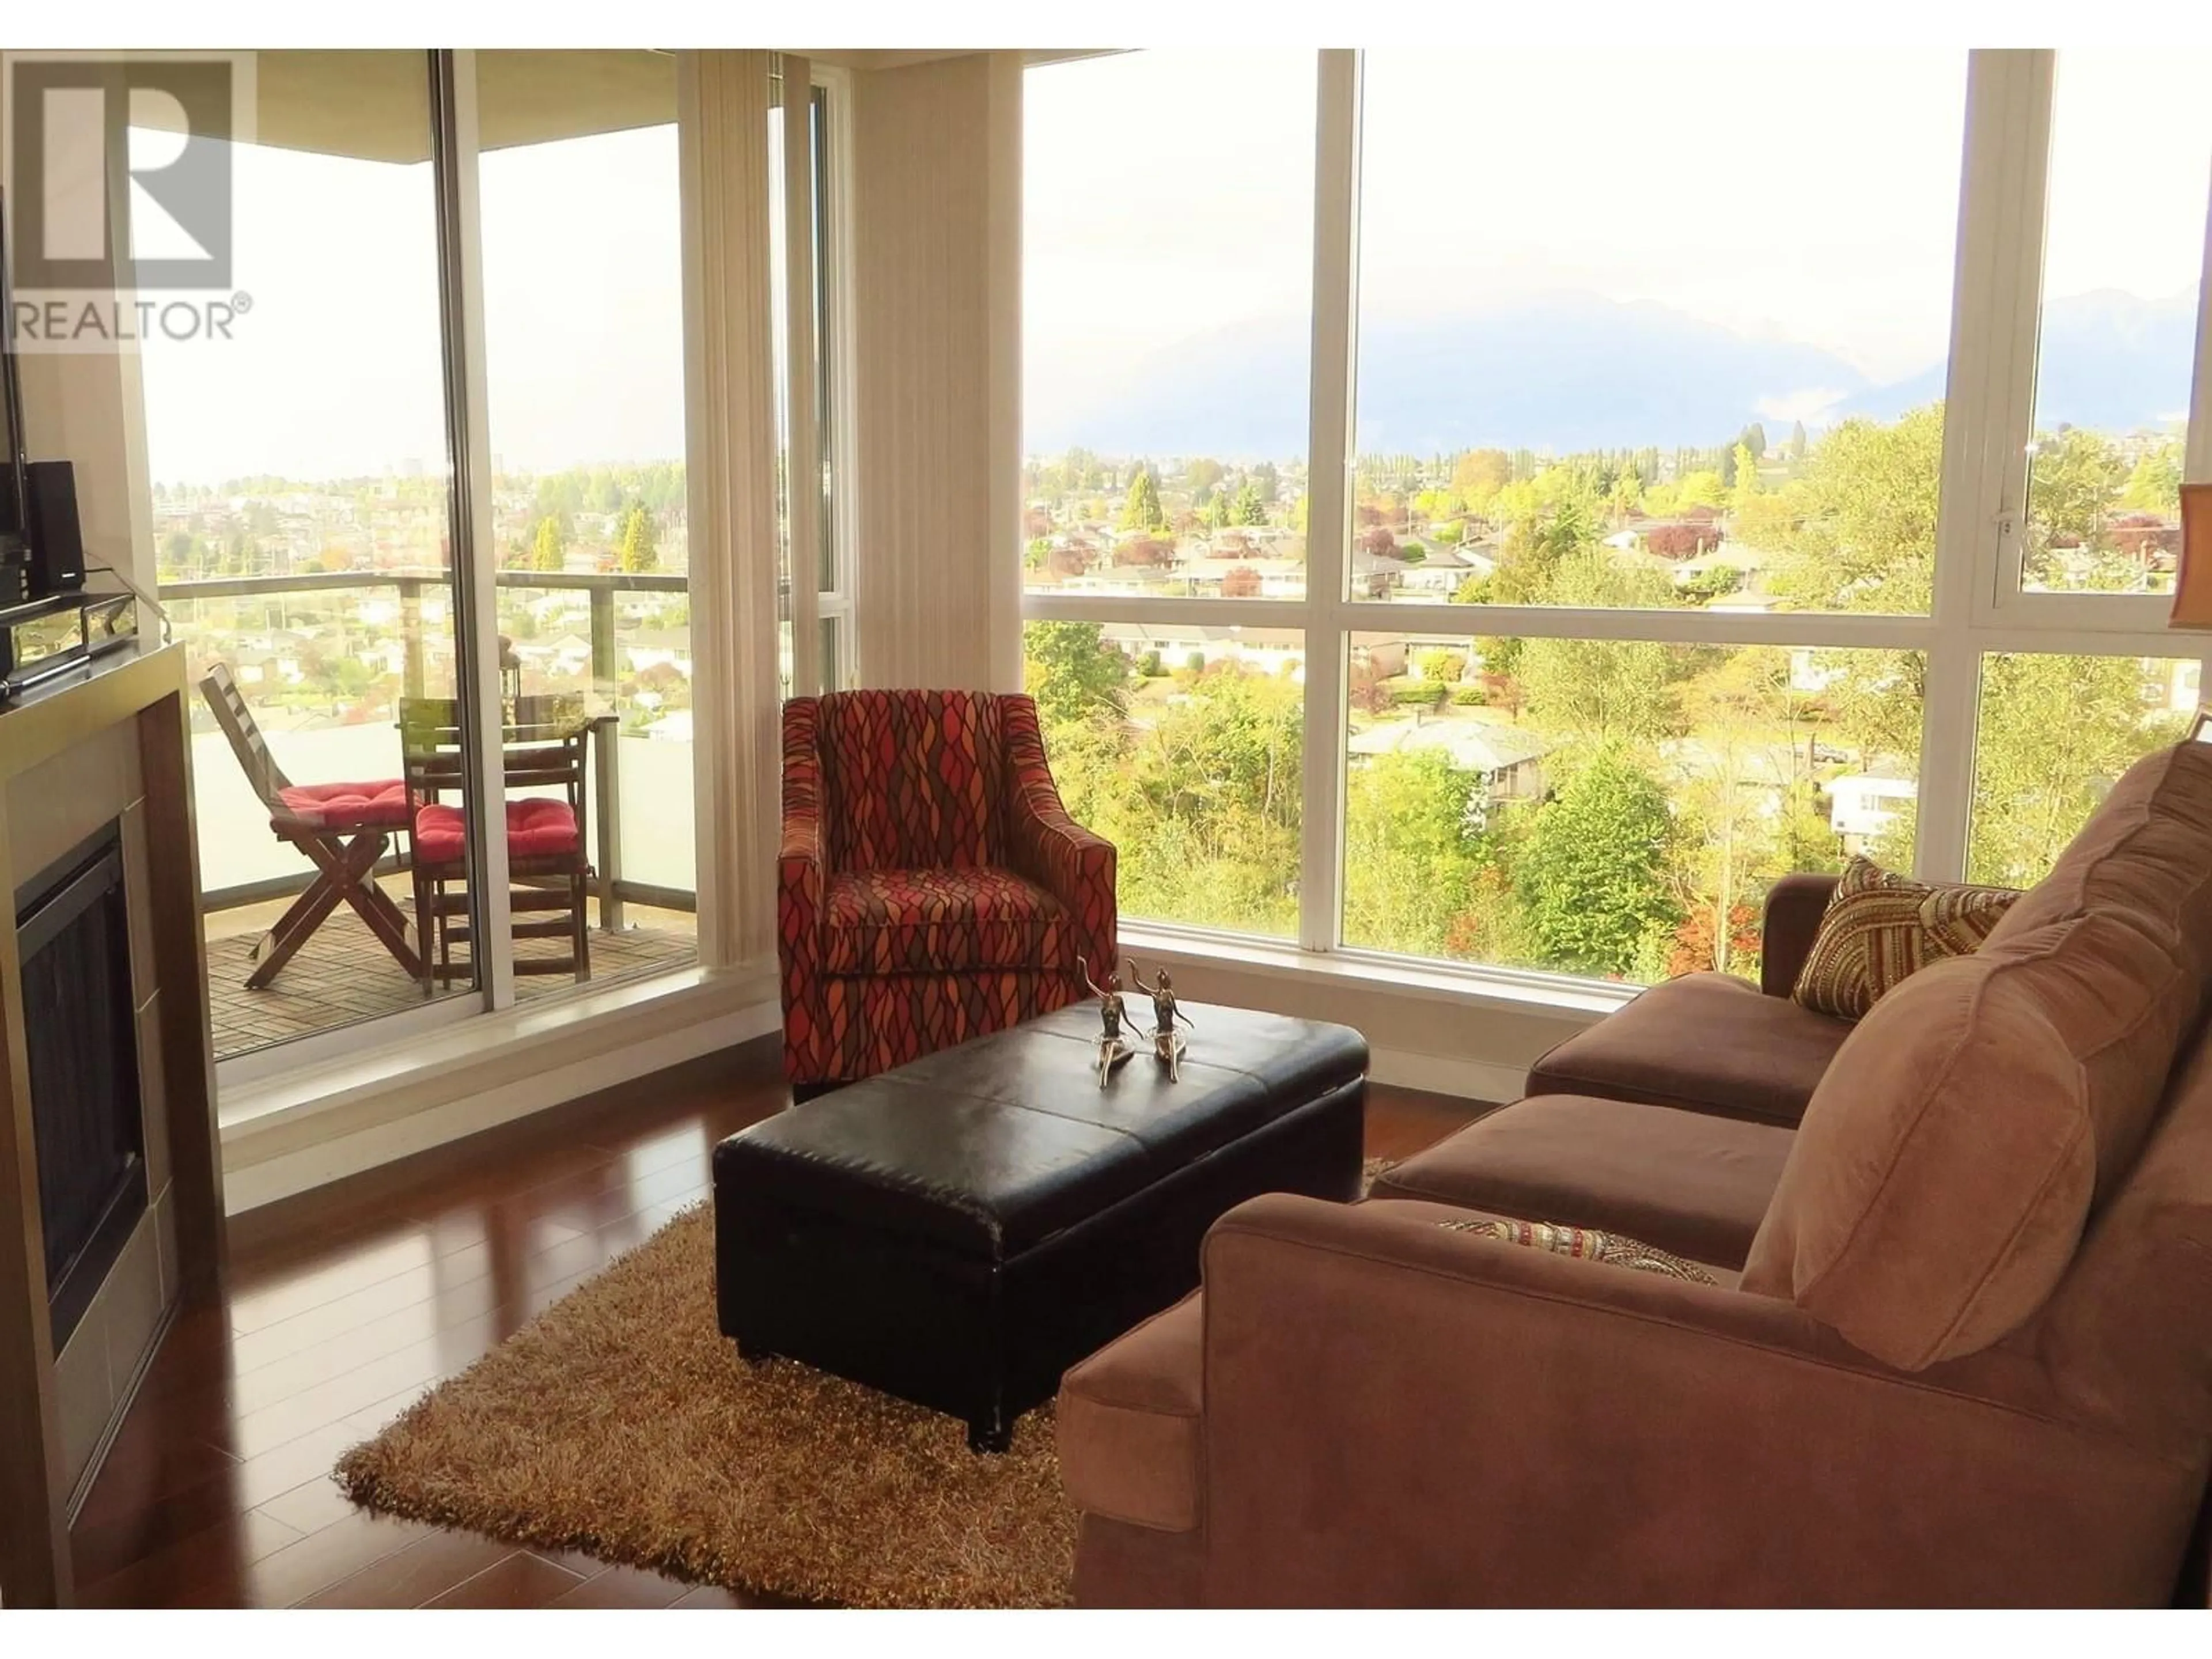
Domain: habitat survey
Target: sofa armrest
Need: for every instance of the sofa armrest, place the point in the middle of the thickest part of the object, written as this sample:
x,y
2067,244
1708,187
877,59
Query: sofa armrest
x,y
1049,847
1399,1414
1787,926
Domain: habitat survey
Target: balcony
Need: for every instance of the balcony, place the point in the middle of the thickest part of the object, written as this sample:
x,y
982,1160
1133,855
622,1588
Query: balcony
x,y
322,658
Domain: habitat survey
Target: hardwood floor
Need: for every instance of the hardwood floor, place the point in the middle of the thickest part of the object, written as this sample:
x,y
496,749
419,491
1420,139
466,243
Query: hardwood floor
x,y
347,1305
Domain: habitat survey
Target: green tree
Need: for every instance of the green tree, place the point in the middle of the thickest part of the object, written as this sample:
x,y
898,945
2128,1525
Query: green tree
x,y
1796,450
1141,508
2154,483
1747,476
2077,474
1249,509
1867,535
1412,849
1073,674
1600,690
1592,874
641,543
550,544
2054,731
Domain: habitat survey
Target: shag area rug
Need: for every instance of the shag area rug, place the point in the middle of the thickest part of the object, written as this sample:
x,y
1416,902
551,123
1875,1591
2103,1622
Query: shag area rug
x,y
621,1422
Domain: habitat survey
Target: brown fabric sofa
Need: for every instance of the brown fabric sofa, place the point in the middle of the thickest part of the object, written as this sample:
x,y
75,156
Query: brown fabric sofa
x,y
1957,1349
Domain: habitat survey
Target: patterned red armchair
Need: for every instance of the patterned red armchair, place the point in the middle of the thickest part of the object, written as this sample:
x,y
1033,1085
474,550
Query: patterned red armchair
x,y
931,887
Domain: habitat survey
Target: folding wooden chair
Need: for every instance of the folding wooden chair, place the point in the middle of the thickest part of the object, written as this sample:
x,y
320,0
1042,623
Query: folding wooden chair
x,y
342,828
549,873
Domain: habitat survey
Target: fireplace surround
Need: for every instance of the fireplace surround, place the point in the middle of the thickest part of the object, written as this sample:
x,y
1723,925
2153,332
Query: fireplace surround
x,y
111,1182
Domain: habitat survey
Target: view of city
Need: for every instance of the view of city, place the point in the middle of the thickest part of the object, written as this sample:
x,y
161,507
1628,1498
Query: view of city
x,y
1588,384
1607,807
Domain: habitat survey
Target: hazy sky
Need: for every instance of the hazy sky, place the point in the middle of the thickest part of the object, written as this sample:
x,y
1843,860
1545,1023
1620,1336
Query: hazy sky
x,y
1808,195
1811,196
336,370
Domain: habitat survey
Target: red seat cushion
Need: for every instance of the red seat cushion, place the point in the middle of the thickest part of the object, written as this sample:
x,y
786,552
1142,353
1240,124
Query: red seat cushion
x,y
349,806
935,921
535,829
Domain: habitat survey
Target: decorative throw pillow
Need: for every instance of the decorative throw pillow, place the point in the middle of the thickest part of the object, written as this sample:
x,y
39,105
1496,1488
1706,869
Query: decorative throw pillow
x,y
1881,927
1587,1243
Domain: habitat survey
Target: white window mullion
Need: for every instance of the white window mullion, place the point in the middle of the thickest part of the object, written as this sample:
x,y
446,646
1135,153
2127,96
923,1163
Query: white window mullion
x,y
803,464
1328,479
2197,453
469,425
1987,410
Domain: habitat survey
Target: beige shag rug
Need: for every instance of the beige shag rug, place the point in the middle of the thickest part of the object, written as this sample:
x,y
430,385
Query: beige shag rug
x,y
621,1422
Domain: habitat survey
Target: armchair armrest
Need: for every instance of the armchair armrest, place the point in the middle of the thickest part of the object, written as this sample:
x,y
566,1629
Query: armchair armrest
x,y
1400,1414
1048,847
1787,926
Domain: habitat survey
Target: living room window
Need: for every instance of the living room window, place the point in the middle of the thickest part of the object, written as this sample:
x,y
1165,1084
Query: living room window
x,y
1676,500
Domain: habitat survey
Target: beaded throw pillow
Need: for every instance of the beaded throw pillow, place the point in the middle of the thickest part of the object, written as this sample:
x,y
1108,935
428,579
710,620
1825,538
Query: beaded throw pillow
x,y
1881,927
1587,1243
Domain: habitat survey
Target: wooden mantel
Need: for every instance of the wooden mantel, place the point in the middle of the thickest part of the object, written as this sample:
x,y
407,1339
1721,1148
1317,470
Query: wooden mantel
x,y
134,704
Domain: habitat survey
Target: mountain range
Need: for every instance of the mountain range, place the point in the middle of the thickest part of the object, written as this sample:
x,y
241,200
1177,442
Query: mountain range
x,y
1580,372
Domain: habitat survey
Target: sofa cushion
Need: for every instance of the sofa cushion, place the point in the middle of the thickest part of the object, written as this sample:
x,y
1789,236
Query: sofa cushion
x,y
1129,1423
1940,1179
1880,927
1688,1182
2124,925
939,922
1705,1042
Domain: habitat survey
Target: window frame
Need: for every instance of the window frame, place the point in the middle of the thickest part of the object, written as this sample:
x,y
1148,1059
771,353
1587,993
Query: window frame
x,y
1989,409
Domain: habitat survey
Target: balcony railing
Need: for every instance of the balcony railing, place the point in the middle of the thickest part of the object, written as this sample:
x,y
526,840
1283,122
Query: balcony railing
x,y
613,886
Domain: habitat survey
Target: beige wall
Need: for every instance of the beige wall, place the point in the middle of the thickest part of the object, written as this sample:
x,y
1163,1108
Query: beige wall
x,y
936,265
81,407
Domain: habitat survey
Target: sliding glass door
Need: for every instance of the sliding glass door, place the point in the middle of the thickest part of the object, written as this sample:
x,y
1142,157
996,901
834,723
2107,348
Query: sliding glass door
x,y
583,292
301,513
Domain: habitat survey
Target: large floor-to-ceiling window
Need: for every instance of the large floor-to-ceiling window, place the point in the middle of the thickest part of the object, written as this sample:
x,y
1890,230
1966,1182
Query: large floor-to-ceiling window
x,y
1689,489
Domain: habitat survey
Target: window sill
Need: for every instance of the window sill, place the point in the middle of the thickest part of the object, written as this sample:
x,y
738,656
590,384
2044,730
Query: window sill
x,y
292,1131
1578,1001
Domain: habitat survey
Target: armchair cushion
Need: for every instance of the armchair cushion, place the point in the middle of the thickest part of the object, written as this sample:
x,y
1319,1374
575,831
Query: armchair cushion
x,y
1130,1446
1705,1042
912,778
1689,1182
943,920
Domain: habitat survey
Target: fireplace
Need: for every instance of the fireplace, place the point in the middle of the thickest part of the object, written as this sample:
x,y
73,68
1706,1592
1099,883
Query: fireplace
x,y
72,930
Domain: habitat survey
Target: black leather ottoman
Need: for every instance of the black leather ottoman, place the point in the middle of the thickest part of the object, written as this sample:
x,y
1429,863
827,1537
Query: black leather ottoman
x,y
960,1230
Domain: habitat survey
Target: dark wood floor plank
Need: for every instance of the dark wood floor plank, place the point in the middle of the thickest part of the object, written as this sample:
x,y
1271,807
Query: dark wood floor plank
x,y
310,1506
347,1307
425,1570
624,1587
523,1580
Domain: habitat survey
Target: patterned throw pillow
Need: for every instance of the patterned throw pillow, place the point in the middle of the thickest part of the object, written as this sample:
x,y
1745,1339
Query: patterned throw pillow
x,y
1881,927
1587,1243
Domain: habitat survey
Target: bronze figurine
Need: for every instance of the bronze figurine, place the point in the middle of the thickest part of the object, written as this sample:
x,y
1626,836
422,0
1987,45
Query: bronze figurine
x,y
1167,1044
1113,1017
